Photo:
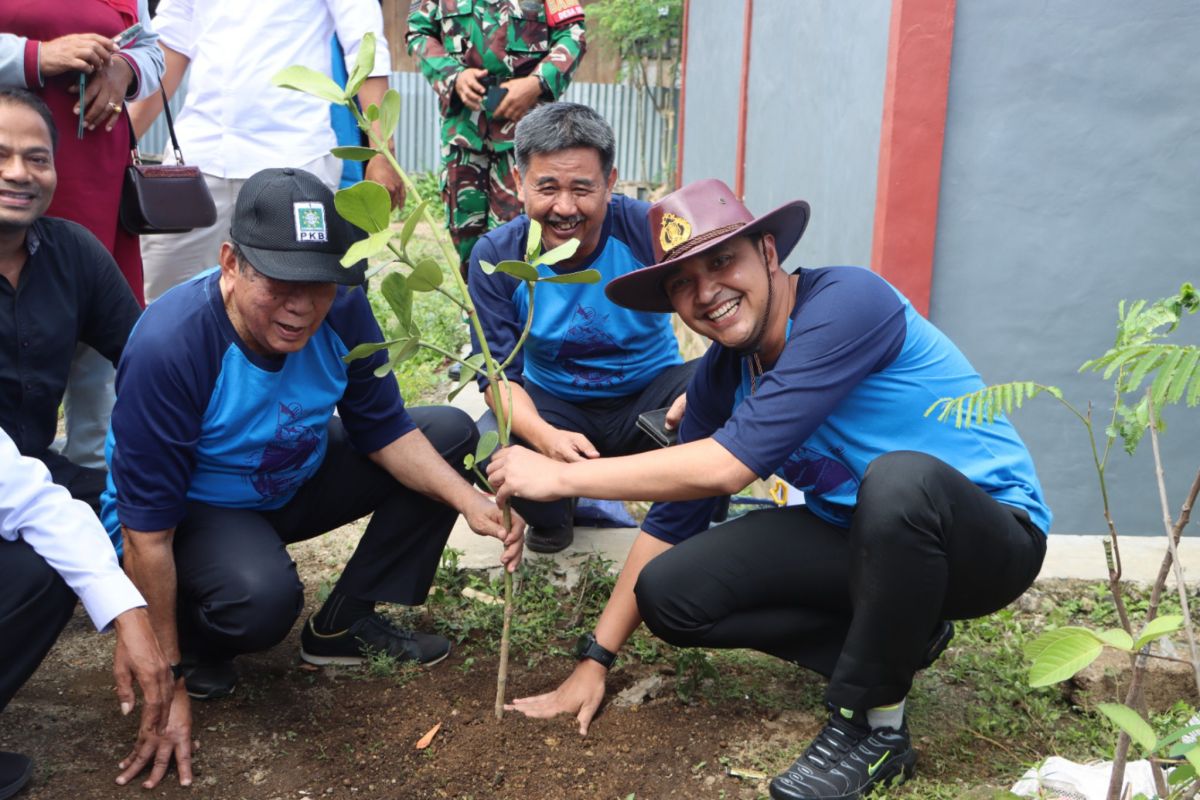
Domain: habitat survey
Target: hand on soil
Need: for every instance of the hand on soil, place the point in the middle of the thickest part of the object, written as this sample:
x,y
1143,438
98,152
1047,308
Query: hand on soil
x,y
156,751
580,694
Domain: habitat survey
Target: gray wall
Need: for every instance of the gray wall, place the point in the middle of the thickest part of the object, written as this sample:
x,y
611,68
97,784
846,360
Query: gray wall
x,y
1071,180
817,72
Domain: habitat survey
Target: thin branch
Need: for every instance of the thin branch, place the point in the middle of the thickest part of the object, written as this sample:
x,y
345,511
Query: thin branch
x,y
1169,527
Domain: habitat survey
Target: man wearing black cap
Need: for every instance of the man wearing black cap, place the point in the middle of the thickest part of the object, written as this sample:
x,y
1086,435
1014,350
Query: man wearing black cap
x,y
821,377
224,448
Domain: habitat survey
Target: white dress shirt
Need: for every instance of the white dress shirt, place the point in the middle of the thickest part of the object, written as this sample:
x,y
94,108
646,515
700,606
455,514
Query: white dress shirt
x,y
65,533
234,121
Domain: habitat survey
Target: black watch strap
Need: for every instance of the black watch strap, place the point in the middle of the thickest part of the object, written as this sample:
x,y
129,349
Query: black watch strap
x,y
588,647
177,671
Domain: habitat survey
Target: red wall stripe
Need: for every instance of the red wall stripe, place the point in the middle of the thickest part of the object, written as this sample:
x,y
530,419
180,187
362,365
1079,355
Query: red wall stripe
x,y
683,56
910,148
739,165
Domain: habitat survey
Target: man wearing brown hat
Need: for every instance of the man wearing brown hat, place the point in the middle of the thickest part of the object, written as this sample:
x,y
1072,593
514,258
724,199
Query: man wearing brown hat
x,y
224,448
822,377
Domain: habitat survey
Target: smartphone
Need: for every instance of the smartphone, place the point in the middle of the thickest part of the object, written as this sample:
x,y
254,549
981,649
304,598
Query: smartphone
x,y
128,35
654,424
492,99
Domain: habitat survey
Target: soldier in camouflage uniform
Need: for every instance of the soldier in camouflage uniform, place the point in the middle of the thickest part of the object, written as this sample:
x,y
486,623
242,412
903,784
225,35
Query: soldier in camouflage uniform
x,y
529,48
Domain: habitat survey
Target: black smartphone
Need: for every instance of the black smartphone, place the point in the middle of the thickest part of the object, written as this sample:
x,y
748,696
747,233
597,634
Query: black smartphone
x,y
491,100
654,424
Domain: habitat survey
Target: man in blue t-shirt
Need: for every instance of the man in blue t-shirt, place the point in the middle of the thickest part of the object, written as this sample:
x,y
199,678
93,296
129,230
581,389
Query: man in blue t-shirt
x,y
821,377
588,367
224,448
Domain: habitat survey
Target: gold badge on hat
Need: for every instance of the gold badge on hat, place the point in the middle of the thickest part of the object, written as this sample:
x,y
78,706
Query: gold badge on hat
x,y
674,231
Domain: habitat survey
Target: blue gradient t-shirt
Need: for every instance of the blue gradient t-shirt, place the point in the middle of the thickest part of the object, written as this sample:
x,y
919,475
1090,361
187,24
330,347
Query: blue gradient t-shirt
x,y
201,417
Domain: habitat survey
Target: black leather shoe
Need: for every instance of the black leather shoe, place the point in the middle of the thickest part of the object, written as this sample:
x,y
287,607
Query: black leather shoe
x,y
15,770
210,680
371,634
541,539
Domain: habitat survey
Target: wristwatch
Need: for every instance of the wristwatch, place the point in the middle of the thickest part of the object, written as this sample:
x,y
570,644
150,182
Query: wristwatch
x,y
588,647
177,671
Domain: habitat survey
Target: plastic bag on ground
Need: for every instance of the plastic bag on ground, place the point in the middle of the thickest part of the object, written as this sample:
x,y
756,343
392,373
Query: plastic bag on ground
x,y
1061,779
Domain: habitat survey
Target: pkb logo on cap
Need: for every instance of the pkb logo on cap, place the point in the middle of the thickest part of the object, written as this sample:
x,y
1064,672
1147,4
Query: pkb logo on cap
x,y
310,222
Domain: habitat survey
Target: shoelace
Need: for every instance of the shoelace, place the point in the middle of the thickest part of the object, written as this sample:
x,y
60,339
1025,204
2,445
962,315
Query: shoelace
x,y
391,627
833,742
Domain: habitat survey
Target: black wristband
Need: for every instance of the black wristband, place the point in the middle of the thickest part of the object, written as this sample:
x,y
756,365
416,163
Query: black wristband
x,y
588,647
177,671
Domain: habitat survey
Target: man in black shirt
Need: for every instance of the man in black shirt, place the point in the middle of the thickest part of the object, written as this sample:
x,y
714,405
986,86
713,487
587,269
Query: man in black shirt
x,y
58,287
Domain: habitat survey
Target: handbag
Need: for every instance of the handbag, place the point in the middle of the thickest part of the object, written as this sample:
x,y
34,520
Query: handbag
x,y
164,198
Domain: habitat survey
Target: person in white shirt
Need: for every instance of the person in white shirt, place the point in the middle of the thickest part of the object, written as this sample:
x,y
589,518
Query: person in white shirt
x,y
52,549
235,122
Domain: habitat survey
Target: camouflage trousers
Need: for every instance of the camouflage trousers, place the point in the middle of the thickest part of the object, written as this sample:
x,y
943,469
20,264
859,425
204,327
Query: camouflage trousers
x,y
480,193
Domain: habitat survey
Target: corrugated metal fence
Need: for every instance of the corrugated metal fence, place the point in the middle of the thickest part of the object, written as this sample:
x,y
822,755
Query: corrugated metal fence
x,y
639,129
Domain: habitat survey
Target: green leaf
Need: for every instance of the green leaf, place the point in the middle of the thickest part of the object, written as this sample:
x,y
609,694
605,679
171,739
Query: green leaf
x,y
583,276
309,81
426,276
371,112
389,113
560,253
1059,654
518,269
406,349
365,204
487,267
1193,758
363,65
487,445
397,294
354,153
1175,736
369,348
1115,637
373,245
469,461
1158,627
1132,723
410,224
1184,772
533,245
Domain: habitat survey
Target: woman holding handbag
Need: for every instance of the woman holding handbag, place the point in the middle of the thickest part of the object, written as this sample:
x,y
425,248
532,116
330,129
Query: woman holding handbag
x,y
56,48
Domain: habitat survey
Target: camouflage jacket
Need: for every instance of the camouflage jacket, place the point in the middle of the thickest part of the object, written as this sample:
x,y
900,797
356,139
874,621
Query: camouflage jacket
x,y
508,38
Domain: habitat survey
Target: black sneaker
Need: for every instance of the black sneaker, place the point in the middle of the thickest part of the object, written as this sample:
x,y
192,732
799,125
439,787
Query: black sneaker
x,y
210,680
371,634
15,770
847,761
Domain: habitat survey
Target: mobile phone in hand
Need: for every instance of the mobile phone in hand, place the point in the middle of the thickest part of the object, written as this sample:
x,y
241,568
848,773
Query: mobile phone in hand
x,y
492,99
654,424
128,35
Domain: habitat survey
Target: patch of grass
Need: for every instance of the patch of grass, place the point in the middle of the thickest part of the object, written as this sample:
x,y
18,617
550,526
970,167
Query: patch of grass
x,y
440,323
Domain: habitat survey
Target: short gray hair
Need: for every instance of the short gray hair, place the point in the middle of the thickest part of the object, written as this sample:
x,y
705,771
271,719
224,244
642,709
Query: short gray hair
x,y
553,127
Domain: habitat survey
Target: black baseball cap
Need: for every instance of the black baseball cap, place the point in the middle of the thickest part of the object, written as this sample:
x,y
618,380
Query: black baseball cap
x,y
287,227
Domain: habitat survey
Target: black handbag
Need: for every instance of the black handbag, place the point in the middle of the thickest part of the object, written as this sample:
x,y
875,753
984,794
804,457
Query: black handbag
x,y
164,198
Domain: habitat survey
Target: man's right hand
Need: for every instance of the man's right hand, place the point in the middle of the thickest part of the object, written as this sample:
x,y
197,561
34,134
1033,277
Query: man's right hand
x,y
469,87
580,694
565,446
156,750
85,52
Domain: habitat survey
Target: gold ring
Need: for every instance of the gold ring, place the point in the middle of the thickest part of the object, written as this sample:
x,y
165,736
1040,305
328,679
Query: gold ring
x,y
115,107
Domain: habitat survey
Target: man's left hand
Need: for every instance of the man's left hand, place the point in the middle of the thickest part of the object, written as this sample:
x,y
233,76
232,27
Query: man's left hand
x,y
138,658
523,94
379,169
105,94
518,472
486,518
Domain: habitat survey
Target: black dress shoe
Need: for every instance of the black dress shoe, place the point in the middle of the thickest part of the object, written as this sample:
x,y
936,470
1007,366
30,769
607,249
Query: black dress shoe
x,y
554,539
210,680
15,770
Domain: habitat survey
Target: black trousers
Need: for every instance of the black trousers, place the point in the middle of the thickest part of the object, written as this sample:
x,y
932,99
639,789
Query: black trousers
x,y
858,606
35,605
238,590
609,423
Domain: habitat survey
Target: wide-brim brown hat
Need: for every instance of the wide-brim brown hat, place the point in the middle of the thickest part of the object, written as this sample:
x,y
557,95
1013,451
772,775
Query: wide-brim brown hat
x,y
692,220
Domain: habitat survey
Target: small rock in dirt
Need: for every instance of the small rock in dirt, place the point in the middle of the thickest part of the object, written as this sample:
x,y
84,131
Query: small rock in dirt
x,y
550,741
638,693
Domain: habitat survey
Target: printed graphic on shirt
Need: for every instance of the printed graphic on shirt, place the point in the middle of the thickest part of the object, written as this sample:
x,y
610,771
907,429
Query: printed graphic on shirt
x,y
816,472
281,465
310,222
585,343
